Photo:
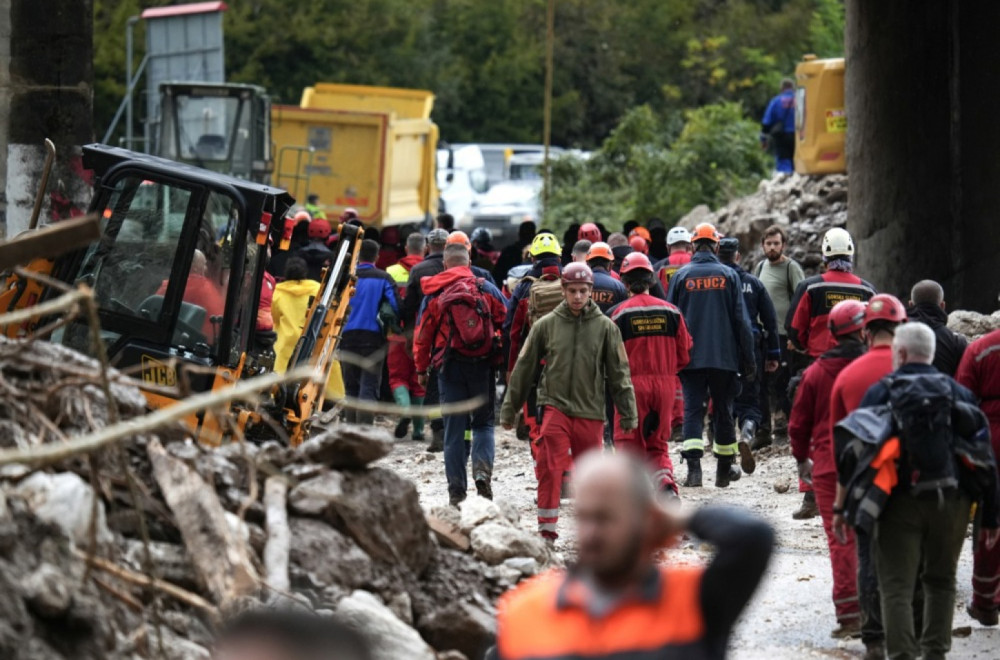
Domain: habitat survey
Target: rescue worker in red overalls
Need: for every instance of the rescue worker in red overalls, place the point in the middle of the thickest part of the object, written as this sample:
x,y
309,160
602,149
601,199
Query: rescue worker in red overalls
x,y
979,371
679,244
811,436
582,352
658,344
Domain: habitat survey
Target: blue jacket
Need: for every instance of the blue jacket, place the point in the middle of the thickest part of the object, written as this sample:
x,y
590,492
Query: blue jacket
x,y
760,311
781,110
608,291
709,296
373,286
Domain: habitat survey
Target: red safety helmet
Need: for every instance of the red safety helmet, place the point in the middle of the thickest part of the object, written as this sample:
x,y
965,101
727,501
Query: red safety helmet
x,y
636,261
459,238
302,216
846,317
600,250
885,307
705,232
320,228
349,214
588,232
577,273
639,244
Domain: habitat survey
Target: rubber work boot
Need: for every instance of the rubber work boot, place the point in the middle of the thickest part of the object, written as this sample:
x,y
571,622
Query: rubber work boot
x,y
847,630
747,461
988,618
437,440
808,509
722,471
874,651
418,422
693,479
735,473
455,499
402,397
483,485
761,439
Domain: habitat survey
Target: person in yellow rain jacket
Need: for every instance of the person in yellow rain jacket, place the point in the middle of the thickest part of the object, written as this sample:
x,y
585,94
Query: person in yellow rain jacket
x,y
289,308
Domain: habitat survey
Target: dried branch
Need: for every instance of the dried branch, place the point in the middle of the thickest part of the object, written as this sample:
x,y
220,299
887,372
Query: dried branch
x,y
172,590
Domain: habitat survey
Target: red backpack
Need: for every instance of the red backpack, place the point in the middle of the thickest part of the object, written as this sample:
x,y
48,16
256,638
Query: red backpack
x,y
471,333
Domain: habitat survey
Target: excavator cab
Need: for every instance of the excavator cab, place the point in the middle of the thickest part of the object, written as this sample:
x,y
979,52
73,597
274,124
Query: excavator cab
x,y
177,274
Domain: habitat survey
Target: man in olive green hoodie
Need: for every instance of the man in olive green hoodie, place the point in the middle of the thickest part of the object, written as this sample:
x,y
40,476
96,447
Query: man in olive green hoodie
x,y
581,349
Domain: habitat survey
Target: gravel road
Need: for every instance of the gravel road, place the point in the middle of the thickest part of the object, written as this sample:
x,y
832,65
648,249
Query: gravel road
x,y
791,615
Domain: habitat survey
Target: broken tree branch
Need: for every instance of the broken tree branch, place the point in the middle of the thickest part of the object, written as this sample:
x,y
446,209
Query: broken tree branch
x,y
172,590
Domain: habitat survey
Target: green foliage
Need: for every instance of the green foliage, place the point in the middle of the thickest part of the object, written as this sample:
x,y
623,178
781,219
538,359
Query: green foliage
x,y
485,60
826,28
646,168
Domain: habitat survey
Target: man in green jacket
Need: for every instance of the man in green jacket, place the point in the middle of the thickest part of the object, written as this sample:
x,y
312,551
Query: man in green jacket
x,y
581,349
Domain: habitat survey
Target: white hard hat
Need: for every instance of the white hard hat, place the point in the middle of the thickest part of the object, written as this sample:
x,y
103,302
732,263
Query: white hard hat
x,y
678,235
837,242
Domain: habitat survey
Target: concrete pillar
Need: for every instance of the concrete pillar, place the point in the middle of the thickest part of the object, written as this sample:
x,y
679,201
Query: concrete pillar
x,y
925,182
50,95
4,107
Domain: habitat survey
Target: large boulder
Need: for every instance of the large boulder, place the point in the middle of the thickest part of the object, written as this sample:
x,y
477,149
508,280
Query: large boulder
x,y
326,554
381,511
313,496
64,500
347,446
460,625
389,638
478,510
494,543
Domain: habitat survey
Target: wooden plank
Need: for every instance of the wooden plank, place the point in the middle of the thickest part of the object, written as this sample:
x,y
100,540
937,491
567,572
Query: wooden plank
x,y
50,241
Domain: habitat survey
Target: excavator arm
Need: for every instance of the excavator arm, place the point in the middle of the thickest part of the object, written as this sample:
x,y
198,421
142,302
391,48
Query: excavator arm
x,y
318,342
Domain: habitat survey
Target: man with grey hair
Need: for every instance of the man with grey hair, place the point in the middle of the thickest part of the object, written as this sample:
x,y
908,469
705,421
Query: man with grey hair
x,y
402,375
580,250
431,265
927,306
919,533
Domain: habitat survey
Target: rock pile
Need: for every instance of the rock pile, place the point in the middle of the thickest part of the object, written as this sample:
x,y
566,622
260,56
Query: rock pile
x,y
139,552
805,206
972,324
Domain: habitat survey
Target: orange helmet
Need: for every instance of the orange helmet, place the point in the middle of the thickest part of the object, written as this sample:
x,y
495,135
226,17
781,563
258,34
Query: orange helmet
x,y
705,232
636,261
639,244
588,232
641,231
459,238
600,250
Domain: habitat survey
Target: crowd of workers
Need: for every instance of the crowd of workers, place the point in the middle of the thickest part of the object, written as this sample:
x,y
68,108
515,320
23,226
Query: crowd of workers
x,y
634,339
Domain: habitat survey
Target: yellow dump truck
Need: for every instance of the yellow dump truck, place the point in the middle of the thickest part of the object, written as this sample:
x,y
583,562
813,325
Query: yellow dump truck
x,y
368,148
820,116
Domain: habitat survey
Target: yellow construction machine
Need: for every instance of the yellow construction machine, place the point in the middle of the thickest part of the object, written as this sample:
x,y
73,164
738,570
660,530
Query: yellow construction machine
x,y
176,274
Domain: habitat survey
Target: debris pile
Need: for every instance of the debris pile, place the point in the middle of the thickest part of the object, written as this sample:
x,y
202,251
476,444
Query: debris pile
x,y
805,206
140,550
973,324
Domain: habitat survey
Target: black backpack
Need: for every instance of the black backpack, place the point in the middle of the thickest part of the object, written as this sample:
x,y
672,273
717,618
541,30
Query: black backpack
x,y
921,407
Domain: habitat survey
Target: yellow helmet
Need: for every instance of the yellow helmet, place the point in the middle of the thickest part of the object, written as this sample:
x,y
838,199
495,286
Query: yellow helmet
x,y
544,244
